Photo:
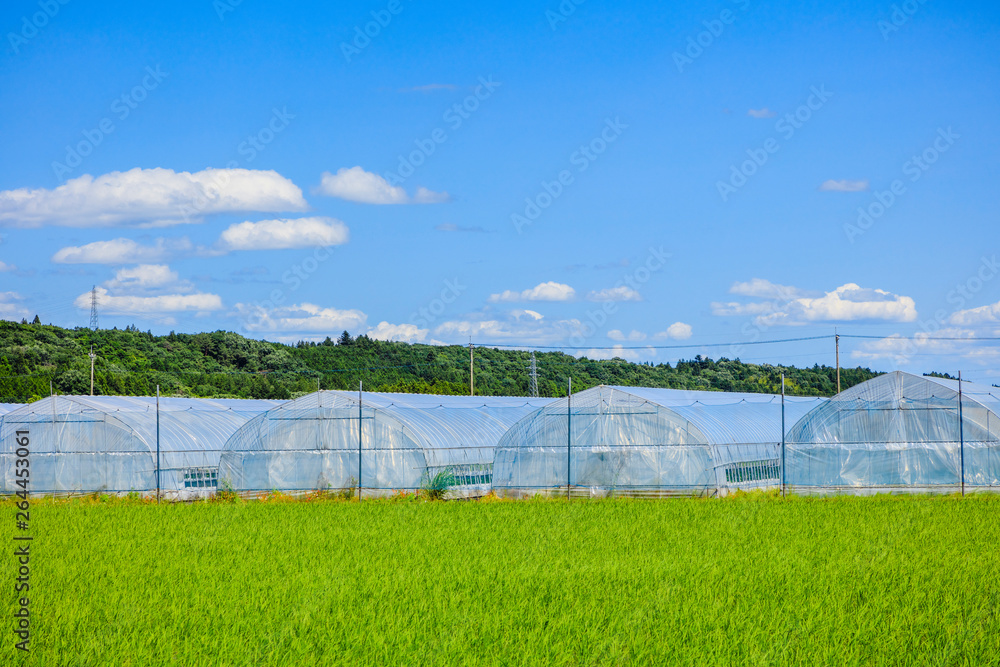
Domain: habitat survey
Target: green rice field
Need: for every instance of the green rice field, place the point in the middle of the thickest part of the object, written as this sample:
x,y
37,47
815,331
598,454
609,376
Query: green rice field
x,y
757,580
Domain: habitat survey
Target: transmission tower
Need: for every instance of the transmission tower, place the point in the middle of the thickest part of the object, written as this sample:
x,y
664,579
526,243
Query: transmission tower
x,y
93,308
534,376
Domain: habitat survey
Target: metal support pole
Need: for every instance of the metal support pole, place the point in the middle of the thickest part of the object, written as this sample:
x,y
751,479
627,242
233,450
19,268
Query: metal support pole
x,y
472,379
961,432
360,424
92,357
157,444
837,337
782,435
569,434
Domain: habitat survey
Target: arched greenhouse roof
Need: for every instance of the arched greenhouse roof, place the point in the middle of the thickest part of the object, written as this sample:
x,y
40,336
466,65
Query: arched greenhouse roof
x,y
898,407
438,422
186,424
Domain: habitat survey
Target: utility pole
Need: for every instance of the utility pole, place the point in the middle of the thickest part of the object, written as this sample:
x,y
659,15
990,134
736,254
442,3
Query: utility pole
x,y
836,337
93,308
472,379
534,376
782,435
569,435
92,357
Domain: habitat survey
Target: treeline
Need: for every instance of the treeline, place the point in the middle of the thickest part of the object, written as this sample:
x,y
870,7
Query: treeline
x,y
223,364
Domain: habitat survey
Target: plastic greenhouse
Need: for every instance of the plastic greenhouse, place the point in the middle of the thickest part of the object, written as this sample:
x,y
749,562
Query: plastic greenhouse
x,y
639,441
898,432
405,440
108,444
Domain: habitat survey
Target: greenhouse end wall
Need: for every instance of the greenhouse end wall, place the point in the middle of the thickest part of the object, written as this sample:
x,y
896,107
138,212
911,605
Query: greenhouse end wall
x,y
898,433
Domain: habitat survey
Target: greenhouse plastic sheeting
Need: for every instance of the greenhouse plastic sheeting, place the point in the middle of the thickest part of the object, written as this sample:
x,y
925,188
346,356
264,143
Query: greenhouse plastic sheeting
x,y
636,440
312,443
898,432
82,444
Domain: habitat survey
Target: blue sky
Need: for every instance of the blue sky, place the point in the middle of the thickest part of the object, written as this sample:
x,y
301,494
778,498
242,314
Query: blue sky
x,y
543,174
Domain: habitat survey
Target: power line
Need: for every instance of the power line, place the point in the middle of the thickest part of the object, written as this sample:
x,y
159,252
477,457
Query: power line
x,y
655,347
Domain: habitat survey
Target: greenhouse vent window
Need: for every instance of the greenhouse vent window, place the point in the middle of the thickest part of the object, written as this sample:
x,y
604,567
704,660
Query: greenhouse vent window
x,y
201,478
752,471
468,474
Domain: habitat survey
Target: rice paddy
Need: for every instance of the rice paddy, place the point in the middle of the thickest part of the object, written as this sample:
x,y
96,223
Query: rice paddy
x,y
761,580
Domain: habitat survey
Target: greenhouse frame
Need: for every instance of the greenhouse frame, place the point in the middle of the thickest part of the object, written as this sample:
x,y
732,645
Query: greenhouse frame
x,y
899,433
406,442
611,440
109,444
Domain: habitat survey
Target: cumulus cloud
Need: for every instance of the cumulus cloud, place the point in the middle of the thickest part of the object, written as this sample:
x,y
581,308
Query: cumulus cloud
x,y
409,333
901,349
4,266
843,186
149,196
129,304
765,289
676,331
357,185
761,113
616,334
299,317
145,276
548,291
122,251
989,314
620,293
10,306
282,234
618,352
516,326
847,303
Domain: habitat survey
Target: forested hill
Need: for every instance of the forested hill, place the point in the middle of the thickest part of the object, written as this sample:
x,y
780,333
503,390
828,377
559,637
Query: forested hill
x,y
224,364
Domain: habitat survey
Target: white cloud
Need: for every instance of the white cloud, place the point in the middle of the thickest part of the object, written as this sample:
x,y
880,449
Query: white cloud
x,y
765,289
164,303
409,333
676,331
989,314
618,351
620,293
517,326
843,186
452,227
299,317
4,266
616,334
761,113
281,234
121,251
791,306
142,276
901,349
357,185
150,196
10,306
548,291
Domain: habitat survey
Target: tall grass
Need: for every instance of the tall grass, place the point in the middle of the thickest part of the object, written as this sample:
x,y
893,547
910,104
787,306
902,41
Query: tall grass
x,y
739,581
